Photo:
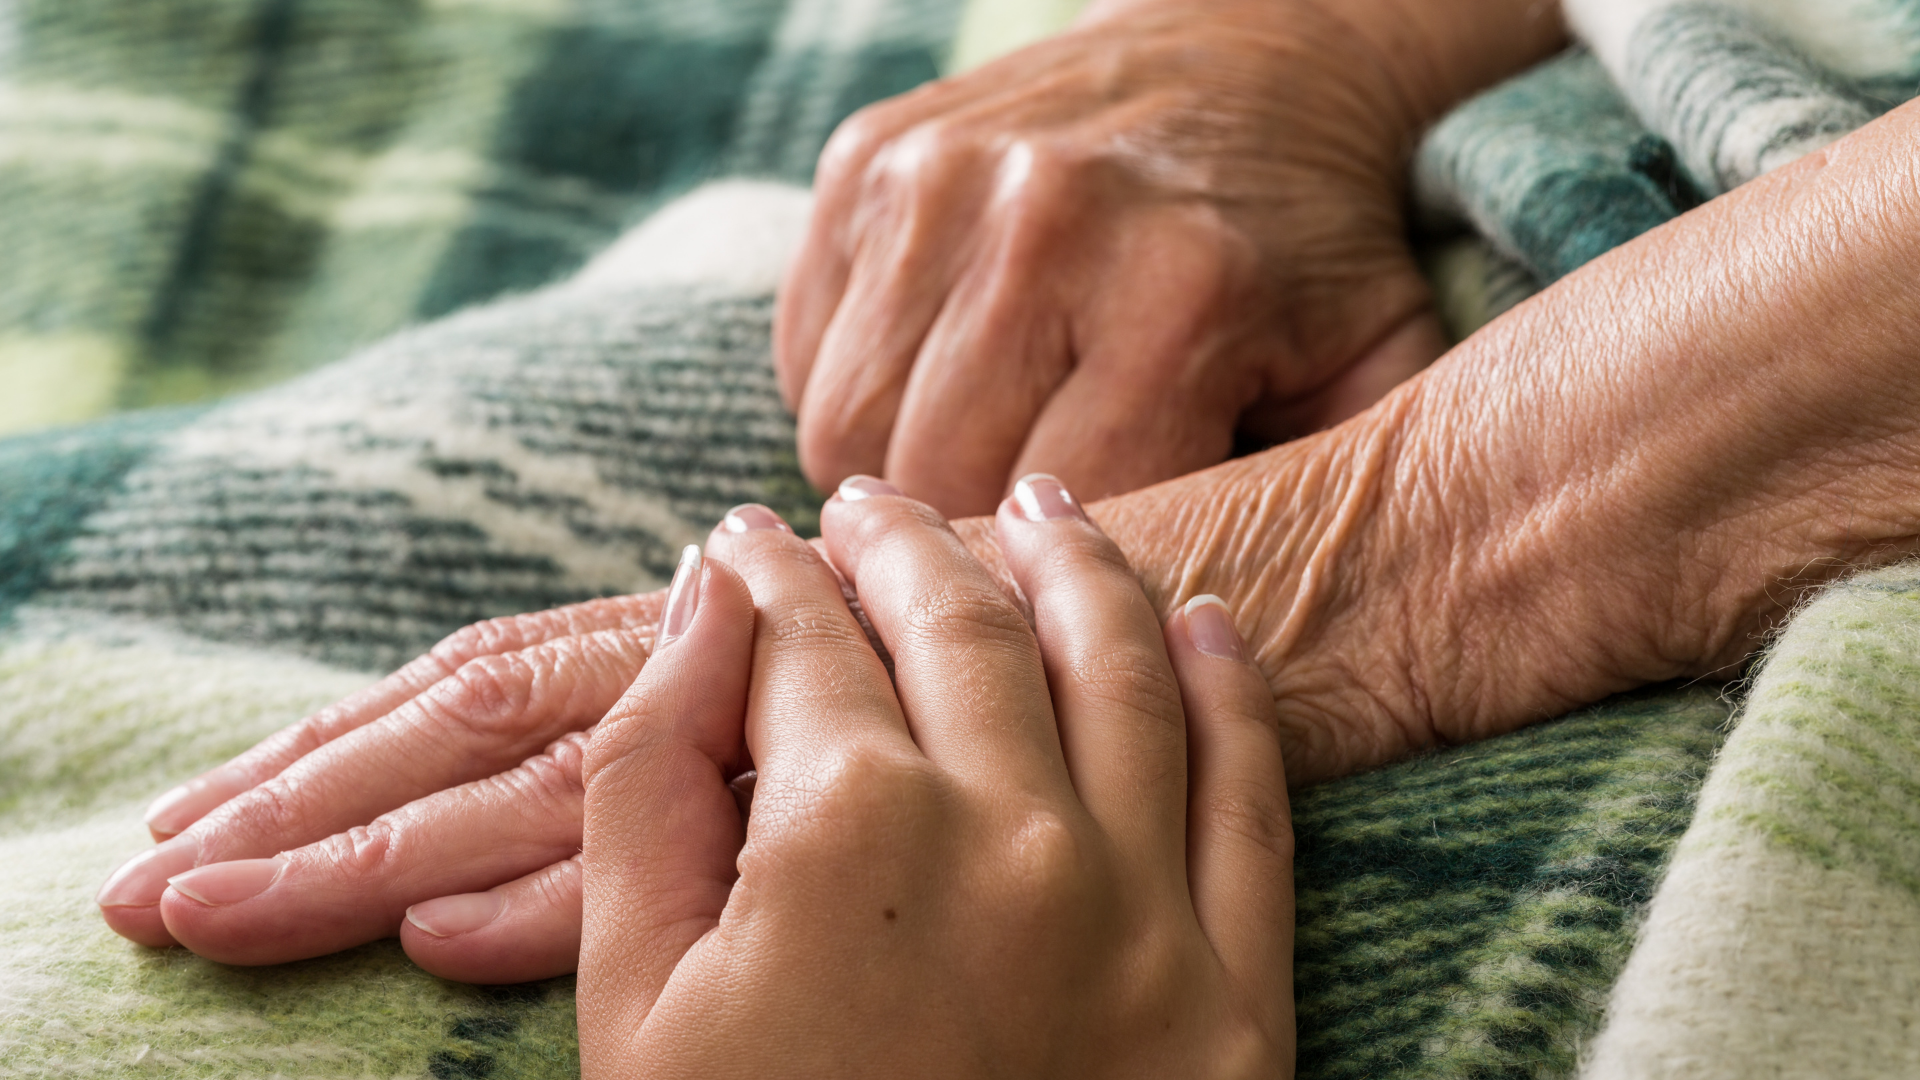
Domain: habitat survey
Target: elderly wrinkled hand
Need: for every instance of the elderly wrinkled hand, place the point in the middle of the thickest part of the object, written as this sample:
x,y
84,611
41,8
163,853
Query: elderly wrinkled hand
x,y
1061,850
1098,256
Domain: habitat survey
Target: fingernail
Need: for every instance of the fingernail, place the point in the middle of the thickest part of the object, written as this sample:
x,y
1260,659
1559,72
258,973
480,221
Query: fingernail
x,y
449,916
222,883
855,488
683,597
1211,627
1045,498
142,879
180,807
753,516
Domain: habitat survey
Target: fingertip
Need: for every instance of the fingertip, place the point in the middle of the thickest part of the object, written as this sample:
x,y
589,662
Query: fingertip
x,y
180,806
1209,629
524,930
141,925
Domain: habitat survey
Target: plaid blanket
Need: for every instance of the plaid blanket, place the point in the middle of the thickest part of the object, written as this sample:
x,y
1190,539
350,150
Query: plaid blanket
x,y
212,193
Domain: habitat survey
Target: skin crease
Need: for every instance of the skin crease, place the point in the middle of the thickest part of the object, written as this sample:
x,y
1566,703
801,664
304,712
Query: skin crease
x,y
1098,256
967,881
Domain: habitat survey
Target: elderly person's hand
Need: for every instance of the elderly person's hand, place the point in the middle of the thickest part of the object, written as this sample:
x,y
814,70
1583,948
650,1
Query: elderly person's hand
x,y
1096,256
1622,481
1004,863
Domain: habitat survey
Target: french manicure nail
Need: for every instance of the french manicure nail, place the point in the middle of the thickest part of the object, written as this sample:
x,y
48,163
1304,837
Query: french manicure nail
x,y
222,883
753,516
855,488
683,596
1211,627
449,916
142,879
1044,498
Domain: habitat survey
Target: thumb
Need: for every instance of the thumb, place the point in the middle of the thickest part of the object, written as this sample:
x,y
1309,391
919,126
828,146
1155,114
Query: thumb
x,y
662,827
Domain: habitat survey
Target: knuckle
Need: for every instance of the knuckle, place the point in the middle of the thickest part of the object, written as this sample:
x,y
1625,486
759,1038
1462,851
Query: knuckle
x,y
853,144
806,625
1046,871
1127,675
950,611
859,796
362,851
551,784
559,887
269,815
476,639
1251,811
1036,175
926,158
486,695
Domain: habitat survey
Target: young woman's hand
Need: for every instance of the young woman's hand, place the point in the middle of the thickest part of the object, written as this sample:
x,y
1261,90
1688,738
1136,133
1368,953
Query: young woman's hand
x,y
1061,850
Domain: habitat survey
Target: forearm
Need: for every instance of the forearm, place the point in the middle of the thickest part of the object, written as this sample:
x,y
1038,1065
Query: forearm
x,y
1709,418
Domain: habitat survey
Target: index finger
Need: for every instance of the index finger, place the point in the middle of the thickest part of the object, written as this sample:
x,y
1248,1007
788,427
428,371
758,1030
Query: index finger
x,y
817,686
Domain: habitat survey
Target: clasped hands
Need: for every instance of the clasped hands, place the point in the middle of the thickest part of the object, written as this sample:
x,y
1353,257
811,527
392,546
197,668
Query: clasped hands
x,y
1049,848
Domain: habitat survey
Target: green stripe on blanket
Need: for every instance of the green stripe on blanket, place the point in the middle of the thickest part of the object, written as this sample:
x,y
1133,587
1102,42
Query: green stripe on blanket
x,y
1785,940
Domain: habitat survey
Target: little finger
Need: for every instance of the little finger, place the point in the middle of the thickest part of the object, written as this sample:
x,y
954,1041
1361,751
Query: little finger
x,y
526,929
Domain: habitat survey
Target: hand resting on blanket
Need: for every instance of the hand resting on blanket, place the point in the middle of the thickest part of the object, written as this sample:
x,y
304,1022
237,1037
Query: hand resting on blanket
x,y
959,873
1098,255
1624,480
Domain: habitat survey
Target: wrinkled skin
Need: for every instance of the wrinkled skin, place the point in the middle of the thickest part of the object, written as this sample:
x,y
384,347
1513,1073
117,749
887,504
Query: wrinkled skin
x,y
1099,255
961,872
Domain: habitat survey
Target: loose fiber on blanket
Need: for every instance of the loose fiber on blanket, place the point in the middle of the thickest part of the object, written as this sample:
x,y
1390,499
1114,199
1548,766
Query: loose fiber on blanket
x,y
1785,940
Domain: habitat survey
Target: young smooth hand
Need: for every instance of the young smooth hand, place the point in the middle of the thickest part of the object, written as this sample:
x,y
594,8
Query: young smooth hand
x,y
1061,850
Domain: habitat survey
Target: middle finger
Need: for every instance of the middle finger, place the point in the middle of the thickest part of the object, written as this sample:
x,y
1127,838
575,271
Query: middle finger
x,y
969,674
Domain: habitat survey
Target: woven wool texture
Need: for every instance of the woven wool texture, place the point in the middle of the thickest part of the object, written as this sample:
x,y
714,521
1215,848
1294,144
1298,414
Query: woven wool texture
x,y
215,193
203,195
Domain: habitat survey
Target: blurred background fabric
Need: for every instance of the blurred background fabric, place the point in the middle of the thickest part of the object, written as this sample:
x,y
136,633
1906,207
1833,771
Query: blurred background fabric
x,y
204,196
